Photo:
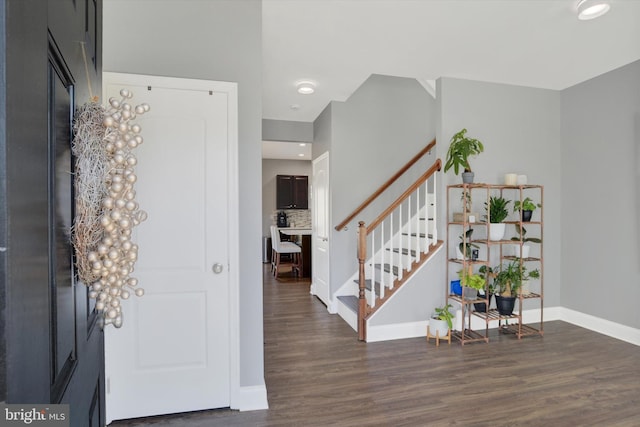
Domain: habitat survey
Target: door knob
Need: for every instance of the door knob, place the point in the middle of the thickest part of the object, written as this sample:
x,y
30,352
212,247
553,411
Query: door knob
x,y
217,268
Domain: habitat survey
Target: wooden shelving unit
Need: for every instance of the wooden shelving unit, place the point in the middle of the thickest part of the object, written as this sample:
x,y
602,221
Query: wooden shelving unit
x,y
491,253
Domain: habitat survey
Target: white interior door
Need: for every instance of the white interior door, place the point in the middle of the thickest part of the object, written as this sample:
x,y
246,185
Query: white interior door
x,y
173,352
321,229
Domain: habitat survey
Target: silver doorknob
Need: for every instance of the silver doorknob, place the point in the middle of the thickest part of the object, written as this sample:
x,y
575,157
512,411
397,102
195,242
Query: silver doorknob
x,y
217,268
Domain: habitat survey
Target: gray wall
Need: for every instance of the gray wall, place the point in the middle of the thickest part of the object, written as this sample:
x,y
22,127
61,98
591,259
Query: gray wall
x,y
369,138
284,130
600,181
271,168
520,130
217,40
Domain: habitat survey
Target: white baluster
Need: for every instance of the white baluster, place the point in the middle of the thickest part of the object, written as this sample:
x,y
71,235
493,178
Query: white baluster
x,y
417,219
383,277
434,233
400,258
409,239
372,293
427,215
392,252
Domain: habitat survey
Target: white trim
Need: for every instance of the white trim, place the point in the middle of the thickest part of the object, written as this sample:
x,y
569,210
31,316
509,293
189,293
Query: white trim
x,y
397,331
252,398
603,326
592,323
429,86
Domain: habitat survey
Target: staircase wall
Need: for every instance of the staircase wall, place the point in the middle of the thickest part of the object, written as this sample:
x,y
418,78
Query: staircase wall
x,y
418,297
369,138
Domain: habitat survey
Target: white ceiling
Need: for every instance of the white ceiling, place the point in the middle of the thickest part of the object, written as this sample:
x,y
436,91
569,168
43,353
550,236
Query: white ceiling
x,y
339,43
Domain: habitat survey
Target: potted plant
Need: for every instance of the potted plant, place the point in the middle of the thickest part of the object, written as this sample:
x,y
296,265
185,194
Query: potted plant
x,y
507,281
497,211
460,149
526,276
471,283
464,249
487,293
441,321
521,250
526,207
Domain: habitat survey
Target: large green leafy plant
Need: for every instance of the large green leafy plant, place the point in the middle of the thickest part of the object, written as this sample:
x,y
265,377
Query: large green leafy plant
x,y
497,209
460,149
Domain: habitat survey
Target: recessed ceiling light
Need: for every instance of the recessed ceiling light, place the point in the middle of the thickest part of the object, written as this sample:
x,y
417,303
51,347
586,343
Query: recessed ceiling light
x,y
591,9
300,155
302,144
306,87
295,106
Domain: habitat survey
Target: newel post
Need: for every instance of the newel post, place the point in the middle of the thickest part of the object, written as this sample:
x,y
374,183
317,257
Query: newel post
x,y
362,302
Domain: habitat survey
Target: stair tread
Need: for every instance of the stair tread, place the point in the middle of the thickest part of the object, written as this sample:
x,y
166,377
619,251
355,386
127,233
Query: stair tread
x,y
405,251
350,301
420,235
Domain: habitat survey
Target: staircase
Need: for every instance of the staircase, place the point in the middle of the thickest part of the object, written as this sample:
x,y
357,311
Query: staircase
x,y
391,249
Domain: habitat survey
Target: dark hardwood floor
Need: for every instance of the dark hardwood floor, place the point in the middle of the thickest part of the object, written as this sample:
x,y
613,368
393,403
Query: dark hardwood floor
x,y
318,374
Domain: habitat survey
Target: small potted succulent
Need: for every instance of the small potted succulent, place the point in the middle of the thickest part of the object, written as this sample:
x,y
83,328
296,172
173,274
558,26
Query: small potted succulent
x,y
526,208
497,211
460,150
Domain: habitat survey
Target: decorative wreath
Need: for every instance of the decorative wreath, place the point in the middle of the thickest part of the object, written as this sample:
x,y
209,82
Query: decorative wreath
x,y
106,209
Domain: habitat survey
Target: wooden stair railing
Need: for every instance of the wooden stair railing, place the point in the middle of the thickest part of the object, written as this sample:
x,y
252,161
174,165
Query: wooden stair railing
x,y
399,240
386,185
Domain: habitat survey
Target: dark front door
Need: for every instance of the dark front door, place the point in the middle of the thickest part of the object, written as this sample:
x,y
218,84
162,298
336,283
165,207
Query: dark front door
x,y
52,346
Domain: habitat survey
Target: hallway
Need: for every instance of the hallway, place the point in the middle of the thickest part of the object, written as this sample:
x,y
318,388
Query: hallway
x,y
318,374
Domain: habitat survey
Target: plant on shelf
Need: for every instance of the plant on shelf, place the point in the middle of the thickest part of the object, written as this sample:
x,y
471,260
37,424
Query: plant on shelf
x,y
489,275
471,282
497,211
460,150
508,281
522,249
526,208
465,246
526,276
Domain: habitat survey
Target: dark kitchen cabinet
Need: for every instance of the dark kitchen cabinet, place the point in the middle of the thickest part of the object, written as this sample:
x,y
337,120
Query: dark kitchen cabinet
x,y
292,192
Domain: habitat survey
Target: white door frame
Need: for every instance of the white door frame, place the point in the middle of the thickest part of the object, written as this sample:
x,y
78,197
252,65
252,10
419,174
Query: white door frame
x,y
236,398
314,289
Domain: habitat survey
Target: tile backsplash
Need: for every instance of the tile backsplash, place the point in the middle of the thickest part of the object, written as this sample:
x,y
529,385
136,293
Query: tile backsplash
x,y
301,218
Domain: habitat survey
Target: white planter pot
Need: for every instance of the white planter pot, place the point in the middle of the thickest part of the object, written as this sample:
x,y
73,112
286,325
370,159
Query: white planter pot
x,y
438,328
525,251
496,231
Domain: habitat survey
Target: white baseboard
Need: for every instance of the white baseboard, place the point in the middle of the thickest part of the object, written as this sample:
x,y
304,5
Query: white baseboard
x,y
251,398
397,331
596,324
606,327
